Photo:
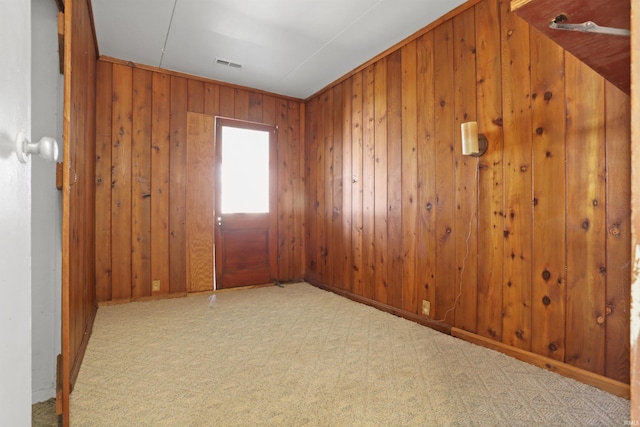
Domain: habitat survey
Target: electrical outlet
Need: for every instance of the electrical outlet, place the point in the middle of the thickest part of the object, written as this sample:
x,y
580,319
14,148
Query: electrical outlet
x,y
426,307
155,286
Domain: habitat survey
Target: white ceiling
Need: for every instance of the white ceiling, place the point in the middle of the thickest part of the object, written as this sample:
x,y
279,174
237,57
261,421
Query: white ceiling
x,y
289,47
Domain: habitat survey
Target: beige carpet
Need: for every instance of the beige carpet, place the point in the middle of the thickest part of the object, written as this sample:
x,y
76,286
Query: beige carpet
x,y
300,356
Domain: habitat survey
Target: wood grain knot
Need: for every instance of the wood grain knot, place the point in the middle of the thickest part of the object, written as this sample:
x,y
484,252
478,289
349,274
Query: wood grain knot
x,y
553,347
585,225
600,320
428,206
546,300
547,96
539,131
520,334
546,275
614,231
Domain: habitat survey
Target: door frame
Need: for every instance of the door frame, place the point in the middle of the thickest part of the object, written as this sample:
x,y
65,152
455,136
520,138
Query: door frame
x,y
220,122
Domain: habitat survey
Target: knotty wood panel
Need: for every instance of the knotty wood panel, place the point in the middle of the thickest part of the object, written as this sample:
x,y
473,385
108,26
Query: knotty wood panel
x,y
618,151
121,182
141,188
466,222
177,186
160,146
447,283
79,226
409,190
103,182
586,220
381,263
490,180
549,200
166,179
534,277
516,301
200,201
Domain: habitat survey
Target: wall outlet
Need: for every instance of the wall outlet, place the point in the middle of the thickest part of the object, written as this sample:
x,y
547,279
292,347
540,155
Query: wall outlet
x,y
426,307
155,286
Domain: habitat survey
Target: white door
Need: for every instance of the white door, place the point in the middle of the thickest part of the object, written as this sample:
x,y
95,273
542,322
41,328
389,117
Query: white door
x,y
15,215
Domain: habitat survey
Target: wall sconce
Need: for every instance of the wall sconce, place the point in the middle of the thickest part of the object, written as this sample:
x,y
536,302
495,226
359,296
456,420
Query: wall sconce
x,y
473,143
47,148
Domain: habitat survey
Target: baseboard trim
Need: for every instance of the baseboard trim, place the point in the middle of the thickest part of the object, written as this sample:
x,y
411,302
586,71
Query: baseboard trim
x,y
438,326
603,383
75,369
599,381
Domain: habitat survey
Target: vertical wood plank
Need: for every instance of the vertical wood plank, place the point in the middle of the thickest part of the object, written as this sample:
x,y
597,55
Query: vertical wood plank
x,y
337,258
380,181
466,220
195,96
103,181
311,154
241,111
296,160
141,185
199,202
285,196
347,228
357,181
517,179
409,177
177,183
490,181
426,167
211,99
586,220
368,183
227,101
549,198
394,179
618,155
320,188
121,182
160,146
327,242
446,282
255,107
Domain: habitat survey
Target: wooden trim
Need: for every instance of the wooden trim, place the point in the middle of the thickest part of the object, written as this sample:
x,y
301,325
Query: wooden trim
x,y
142,299
635,213
458,10
60,4
75,369
59,174
66,324
566,370
93,28
438,326
61,40
607,384
193,77
516,4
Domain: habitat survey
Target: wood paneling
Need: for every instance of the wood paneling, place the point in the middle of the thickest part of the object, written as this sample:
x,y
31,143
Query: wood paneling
x,y
83,143
525,246
154,179
200,202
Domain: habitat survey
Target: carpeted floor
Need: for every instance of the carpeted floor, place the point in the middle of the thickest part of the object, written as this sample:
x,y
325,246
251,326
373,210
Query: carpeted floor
x,y
43,414
300,356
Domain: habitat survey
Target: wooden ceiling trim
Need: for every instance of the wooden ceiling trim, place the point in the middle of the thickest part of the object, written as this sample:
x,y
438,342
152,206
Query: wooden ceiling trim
x,y
608,55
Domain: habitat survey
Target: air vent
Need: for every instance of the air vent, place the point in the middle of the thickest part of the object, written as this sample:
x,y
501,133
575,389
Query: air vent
x,y
228,63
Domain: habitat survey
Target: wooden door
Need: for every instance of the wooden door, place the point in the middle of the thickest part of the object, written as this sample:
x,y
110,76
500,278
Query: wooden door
x,y
245,241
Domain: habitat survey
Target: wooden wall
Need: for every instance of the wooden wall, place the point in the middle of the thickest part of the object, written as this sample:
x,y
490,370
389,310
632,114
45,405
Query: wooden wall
x,y
144,169
78,240
530,244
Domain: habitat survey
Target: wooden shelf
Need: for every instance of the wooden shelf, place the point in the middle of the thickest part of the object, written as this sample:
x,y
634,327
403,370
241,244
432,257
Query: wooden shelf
x,y
606,54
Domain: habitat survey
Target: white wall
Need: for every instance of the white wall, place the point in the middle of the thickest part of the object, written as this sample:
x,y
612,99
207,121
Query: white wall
x,y
46,201
15,215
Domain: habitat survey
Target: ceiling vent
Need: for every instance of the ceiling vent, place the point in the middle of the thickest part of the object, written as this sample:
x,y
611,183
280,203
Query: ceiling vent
x,y
228,63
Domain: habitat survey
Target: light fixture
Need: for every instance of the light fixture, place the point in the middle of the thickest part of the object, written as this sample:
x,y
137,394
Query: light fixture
x,y
47,148
473,143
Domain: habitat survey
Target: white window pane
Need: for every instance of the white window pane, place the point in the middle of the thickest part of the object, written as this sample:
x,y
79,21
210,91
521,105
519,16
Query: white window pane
x,y
245,171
